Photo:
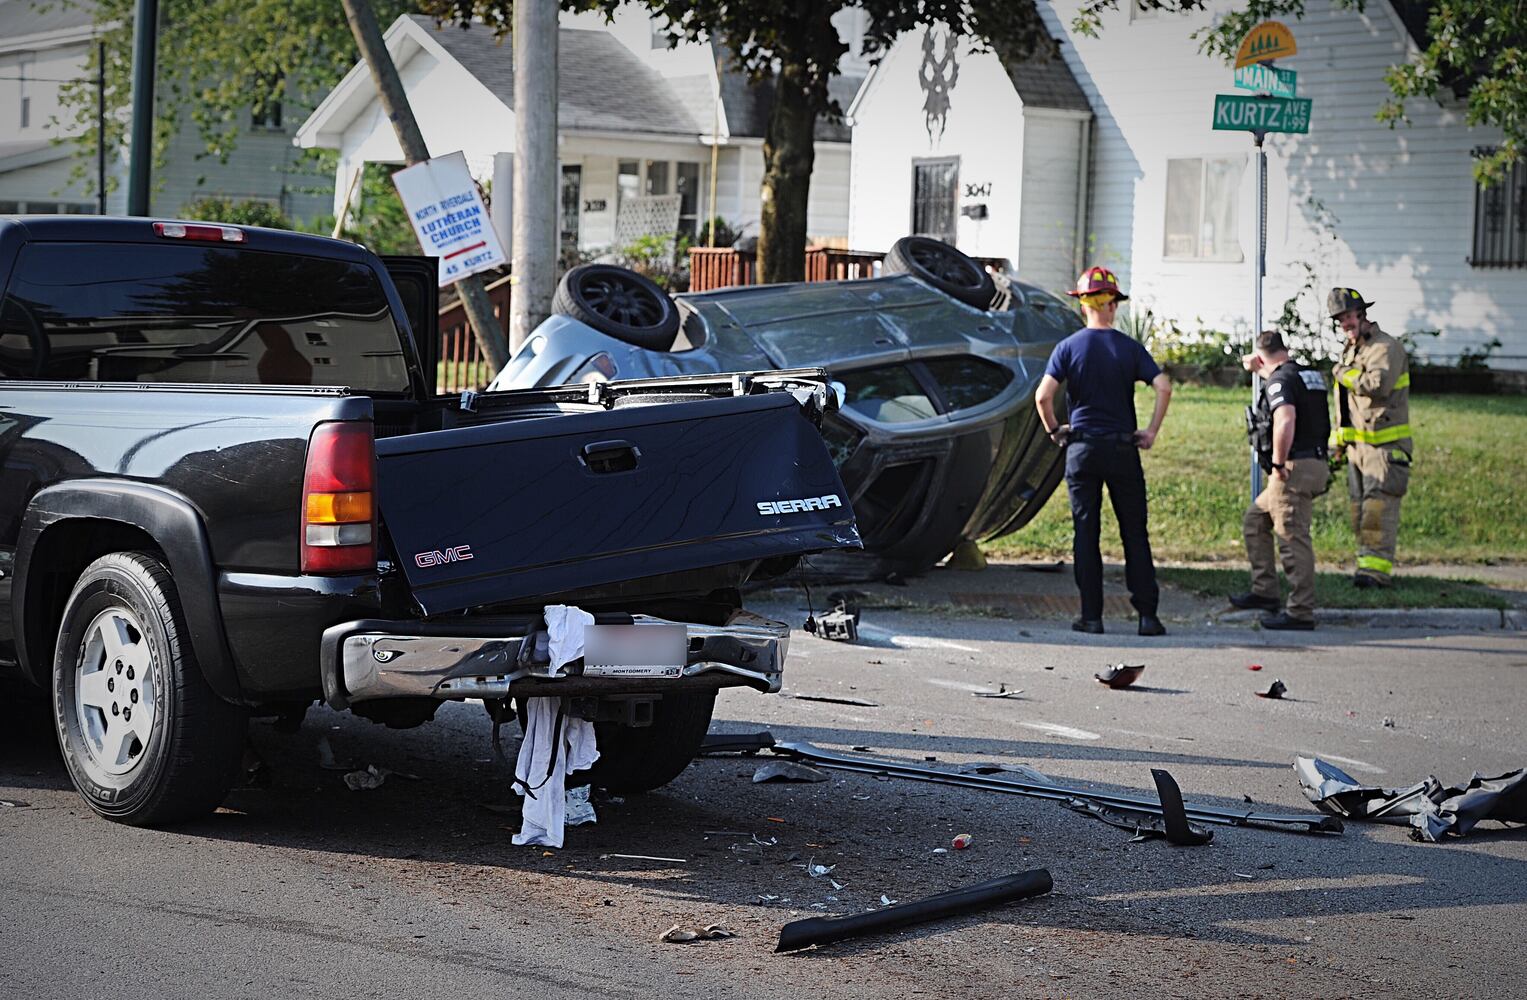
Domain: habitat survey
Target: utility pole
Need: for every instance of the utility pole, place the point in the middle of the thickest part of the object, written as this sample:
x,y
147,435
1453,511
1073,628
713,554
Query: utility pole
x,y
389,87
145,44
100,128
535,166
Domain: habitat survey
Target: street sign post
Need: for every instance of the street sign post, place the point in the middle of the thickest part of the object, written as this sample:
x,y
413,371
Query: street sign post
x,y
1273,108
1267,79
1245,113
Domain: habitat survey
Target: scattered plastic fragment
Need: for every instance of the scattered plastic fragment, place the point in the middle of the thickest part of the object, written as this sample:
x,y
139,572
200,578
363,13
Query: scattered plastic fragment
x,y
1121,675
961,841
1028,773
643,857
580,810
832,700
886,900
1255,666
727,743
679,934
369,779
941,850
1001,692
1388,722
822,930
1431,809
12,804
817,871
786,771
1276,691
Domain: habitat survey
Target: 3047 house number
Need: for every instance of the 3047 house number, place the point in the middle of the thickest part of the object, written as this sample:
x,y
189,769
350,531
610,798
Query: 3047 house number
x,y
978,190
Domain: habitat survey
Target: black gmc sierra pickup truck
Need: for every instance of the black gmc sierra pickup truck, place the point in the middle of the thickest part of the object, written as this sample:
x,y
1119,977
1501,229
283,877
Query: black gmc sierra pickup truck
x,y
227,487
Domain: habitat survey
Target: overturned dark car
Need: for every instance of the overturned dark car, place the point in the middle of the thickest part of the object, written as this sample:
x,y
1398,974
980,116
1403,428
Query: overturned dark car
x,y
936,365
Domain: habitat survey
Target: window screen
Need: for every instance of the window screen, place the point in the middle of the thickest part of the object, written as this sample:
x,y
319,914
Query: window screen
x,y
1203,209
127,312
1500,219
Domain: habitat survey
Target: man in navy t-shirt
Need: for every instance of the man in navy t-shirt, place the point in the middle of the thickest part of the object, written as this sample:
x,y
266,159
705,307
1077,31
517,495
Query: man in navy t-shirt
x,y
1100,366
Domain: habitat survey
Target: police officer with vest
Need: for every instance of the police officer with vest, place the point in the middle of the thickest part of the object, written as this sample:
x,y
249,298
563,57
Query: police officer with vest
x,y
1373,406
1289,426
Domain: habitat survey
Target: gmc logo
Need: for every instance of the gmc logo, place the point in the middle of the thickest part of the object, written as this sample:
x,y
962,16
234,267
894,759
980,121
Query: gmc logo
x,y
436,557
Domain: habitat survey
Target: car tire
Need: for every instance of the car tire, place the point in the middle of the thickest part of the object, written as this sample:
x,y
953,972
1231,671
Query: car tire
x,y
639,759
936,263
145,740
620,303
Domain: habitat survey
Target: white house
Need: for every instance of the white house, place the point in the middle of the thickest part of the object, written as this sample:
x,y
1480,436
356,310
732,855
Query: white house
x,y
1170,203
635,118
966,147
41,48
1394,213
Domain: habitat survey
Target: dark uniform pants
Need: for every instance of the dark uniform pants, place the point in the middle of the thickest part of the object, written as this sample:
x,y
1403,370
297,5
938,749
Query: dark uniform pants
x,y
1377,477
1285,509
1091,465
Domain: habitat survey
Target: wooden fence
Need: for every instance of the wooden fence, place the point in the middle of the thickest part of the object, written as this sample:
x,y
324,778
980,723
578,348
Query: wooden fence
x,y
462,365
726,267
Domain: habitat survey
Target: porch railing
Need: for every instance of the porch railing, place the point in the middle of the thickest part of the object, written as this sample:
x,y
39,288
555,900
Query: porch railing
x,y
725,267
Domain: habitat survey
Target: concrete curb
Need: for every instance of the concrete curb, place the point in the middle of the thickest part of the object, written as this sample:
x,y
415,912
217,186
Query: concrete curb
x,y
1475,619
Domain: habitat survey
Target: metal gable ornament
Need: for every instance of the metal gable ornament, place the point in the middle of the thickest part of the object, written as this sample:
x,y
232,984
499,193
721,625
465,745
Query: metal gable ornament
x,y
937,75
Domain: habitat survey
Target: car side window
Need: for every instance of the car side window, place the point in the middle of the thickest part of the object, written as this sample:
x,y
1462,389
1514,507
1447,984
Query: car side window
x,y
191,314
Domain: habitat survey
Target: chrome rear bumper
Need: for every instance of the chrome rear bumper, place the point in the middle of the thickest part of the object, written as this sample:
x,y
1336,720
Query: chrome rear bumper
x,y
369,660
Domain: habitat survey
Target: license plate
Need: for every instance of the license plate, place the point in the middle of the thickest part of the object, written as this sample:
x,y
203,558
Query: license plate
x,y
635,651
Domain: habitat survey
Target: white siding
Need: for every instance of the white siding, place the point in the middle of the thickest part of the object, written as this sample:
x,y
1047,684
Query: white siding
x,y
1052,174
1401,199
984,128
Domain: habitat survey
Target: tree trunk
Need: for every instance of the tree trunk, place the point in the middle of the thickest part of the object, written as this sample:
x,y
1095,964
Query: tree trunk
x,y
389,87
789,150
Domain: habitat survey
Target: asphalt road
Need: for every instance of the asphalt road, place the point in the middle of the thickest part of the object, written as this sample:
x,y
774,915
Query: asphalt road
x,y
303,888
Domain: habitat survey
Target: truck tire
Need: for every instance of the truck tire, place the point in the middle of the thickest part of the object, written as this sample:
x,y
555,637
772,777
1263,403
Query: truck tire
x,y
620,303
145,739
641,759
936,263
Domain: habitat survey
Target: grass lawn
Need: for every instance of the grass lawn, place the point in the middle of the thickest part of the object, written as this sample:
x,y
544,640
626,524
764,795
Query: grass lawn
x,y
1335,590
1465,502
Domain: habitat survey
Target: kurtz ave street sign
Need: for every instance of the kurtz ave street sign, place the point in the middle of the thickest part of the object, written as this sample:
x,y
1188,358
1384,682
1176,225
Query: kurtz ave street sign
x,y
1267,79
1261,114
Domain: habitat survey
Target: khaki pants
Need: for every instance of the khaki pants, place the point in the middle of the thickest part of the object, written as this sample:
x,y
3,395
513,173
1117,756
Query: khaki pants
x,y
1285,508
1377,477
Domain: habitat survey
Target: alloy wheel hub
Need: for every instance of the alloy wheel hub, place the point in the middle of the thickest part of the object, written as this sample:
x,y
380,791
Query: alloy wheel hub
x,y
115,699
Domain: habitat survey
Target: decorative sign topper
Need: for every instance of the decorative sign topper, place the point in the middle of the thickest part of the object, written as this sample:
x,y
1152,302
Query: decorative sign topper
x,y
1268,40
449,217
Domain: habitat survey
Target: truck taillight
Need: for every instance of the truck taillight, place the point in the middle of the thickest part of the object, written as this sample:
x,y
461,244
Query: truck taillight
x,y
338,509
193,231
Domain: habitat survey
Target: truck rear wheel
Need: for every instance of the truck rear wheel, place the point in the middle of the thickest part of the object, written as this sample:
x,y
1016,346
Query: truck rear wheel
x,y
145,739
640,759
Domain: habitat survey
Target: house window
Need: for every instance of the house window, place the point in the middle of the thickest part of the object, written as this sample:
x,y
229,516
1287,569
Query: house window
x,y
1202,209
687,187
1500,219
657,177
22,65
266,111
935,190
628,179
572,193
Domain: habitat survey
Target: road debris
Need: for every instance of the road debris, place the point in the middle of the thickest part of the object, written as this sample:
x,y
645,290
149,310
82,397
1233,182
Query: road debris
x,y
1254,666
642,857
13,804
961,841
1028,773
368,780
579,809
1121,675
1431,809
841,624
833,700
887,769
1388,722
1001,692
719,744
786,771
1275,692
823,930
679,934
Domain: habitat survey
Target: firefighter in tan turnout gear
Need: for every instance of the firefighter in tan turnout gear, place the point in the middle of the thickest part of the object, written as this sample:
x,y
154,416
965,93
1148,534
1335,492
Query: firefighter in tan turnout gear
x,y
1372,383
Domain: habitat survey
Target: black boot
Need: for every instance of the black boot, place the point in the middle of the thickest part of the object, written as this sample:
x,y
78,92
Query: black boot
x,y
1092,626
1151,625
1282,622
1254,602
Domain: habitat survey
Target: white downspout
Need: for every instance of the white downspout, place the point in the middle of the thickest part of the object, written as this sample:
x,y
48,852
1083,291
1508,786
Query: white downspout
x,y
1083,184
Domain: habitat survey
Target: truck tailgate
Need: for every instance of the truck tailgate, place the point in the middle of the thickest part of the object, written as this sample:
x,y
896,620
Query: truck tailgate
x,y
499,512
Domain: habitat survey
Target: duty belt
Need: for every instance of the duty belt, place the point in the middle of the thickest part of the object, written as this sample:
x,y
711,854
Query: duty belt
x,y
1094,436
1318,451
